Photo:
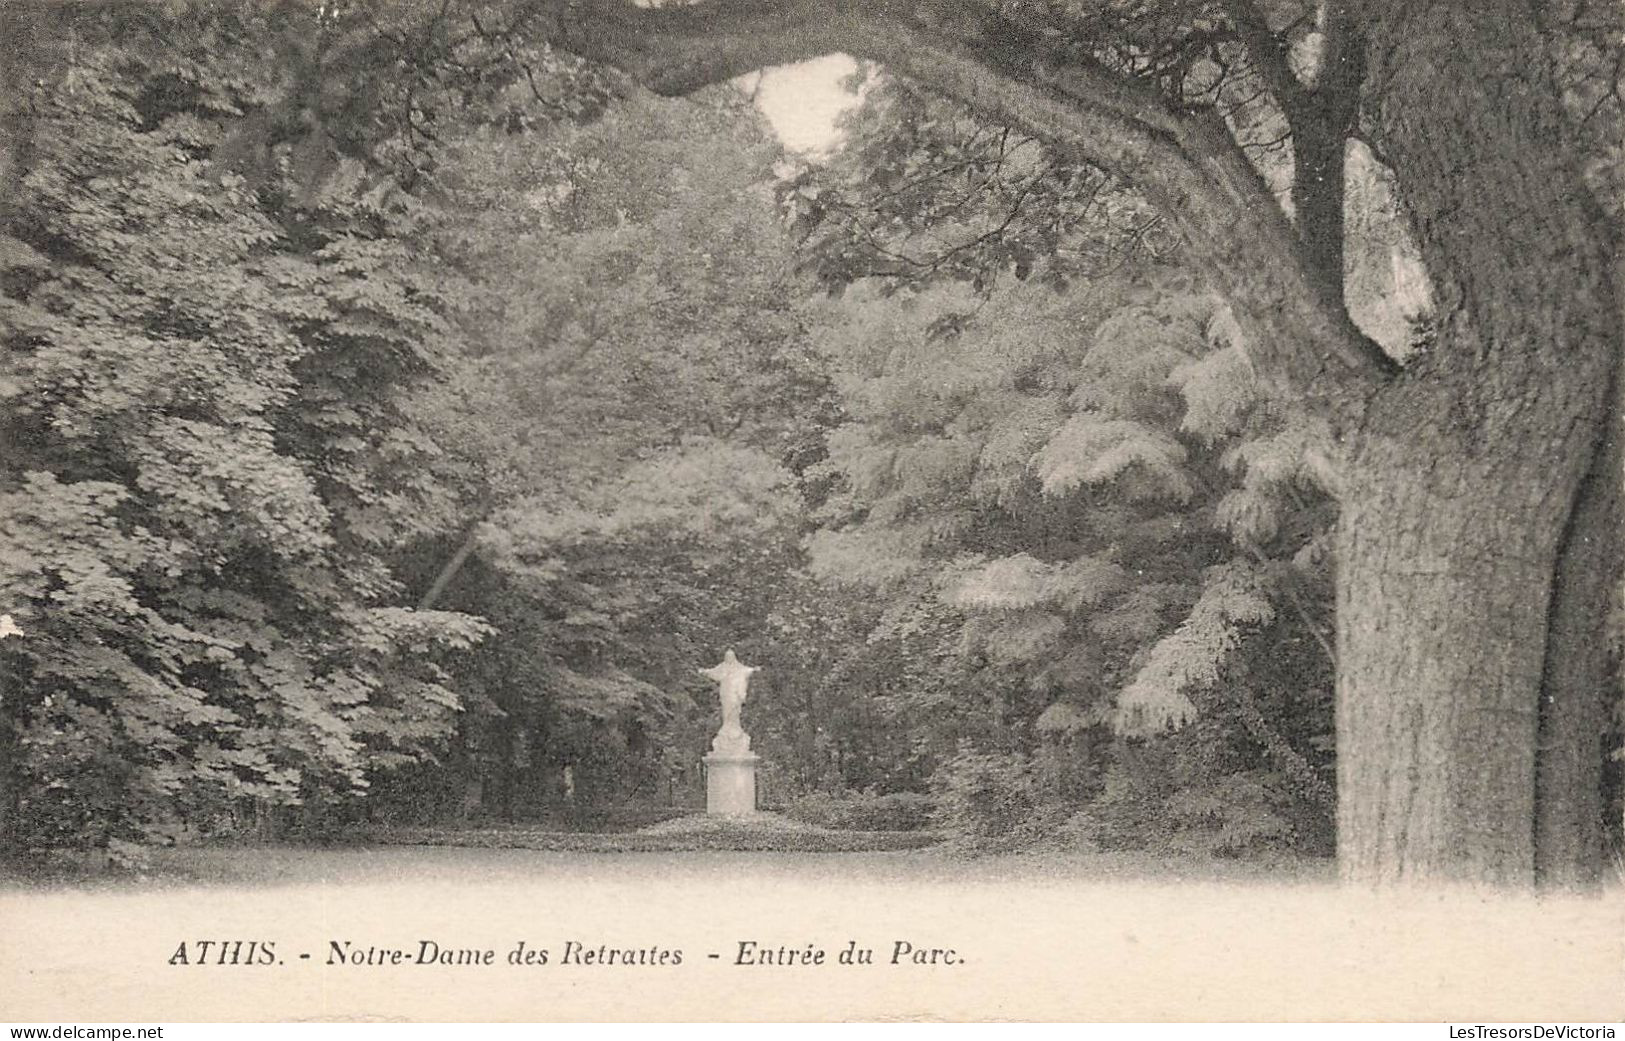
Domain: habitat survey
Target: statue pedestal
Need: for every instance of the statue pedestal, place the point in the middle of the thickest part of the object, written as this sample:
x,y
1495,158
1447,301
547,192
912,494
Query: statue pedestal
x,y
730,783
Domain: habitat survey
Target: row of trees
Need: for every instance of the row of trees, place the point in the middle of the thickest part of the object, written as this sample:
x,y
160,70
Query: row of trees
x,y
405,406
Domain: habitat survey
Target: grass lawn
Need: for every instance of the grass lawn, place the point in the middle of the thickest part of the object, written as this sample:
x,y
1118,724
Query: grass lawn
x,y
1042,936
762,832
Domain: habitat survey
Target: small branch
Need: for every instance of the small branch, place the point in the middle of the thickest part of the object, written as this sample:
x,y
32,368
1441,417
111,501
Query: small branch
x,y
1268,52
449,570
1309,622
1280,749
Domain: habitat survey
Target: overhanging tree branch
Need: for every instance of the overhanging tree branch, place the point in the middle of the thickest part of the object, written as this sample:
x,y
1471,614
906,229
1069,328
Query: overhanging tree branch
x,y
1185,163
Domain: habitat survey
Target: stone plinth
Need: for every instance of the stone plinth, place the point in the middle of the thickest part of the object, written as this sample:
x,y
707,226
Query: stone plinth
x,y
730,783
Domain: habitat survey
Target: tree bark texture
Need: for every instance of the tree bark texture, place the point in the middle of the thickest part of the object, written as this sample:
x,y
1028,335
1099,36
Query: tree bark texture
x,y
1579,687
1475,551
1447,557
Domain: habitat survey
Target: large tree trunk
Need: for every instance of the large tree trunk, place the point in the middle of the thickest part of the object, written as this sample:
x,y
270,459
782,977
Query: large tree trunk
x,y
1448,548
1472,563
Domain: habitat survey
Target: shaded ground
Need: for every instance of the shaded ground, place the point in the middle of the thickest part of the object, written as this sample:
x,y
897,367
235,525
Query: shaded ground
x,y
760,832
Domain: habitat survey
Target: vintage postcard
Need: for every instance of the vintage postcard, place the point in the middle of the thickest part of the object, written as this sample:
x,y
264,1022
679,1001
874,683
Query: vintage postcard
x,y
812,510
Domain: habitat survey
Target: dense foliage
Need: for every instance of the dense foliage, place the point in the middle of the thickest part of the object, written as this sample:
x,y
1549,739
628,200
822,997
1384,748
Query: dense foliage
x,y
400,412
637,394
1087,517
209,463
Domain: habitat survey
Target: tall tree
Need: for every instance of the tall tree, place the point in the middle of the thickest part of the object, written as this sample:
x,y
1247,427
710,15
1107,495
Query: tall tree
x,y
208,460
635,389
1478,545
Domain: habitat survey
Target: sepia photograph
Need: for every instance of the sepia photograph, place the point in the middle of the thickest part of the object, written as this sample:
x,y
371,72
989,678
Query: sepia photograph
x,y
803,511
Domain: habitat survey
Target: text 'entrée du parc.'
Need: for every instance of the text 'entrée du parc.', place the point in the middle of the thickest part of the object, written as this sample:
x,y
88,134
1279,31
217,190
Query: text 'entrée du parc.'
x,y
423,952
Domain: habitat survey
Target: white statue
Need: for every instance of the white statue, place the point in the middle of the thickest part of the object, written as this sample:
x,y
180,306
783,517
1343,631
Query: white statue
x,y
734,677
